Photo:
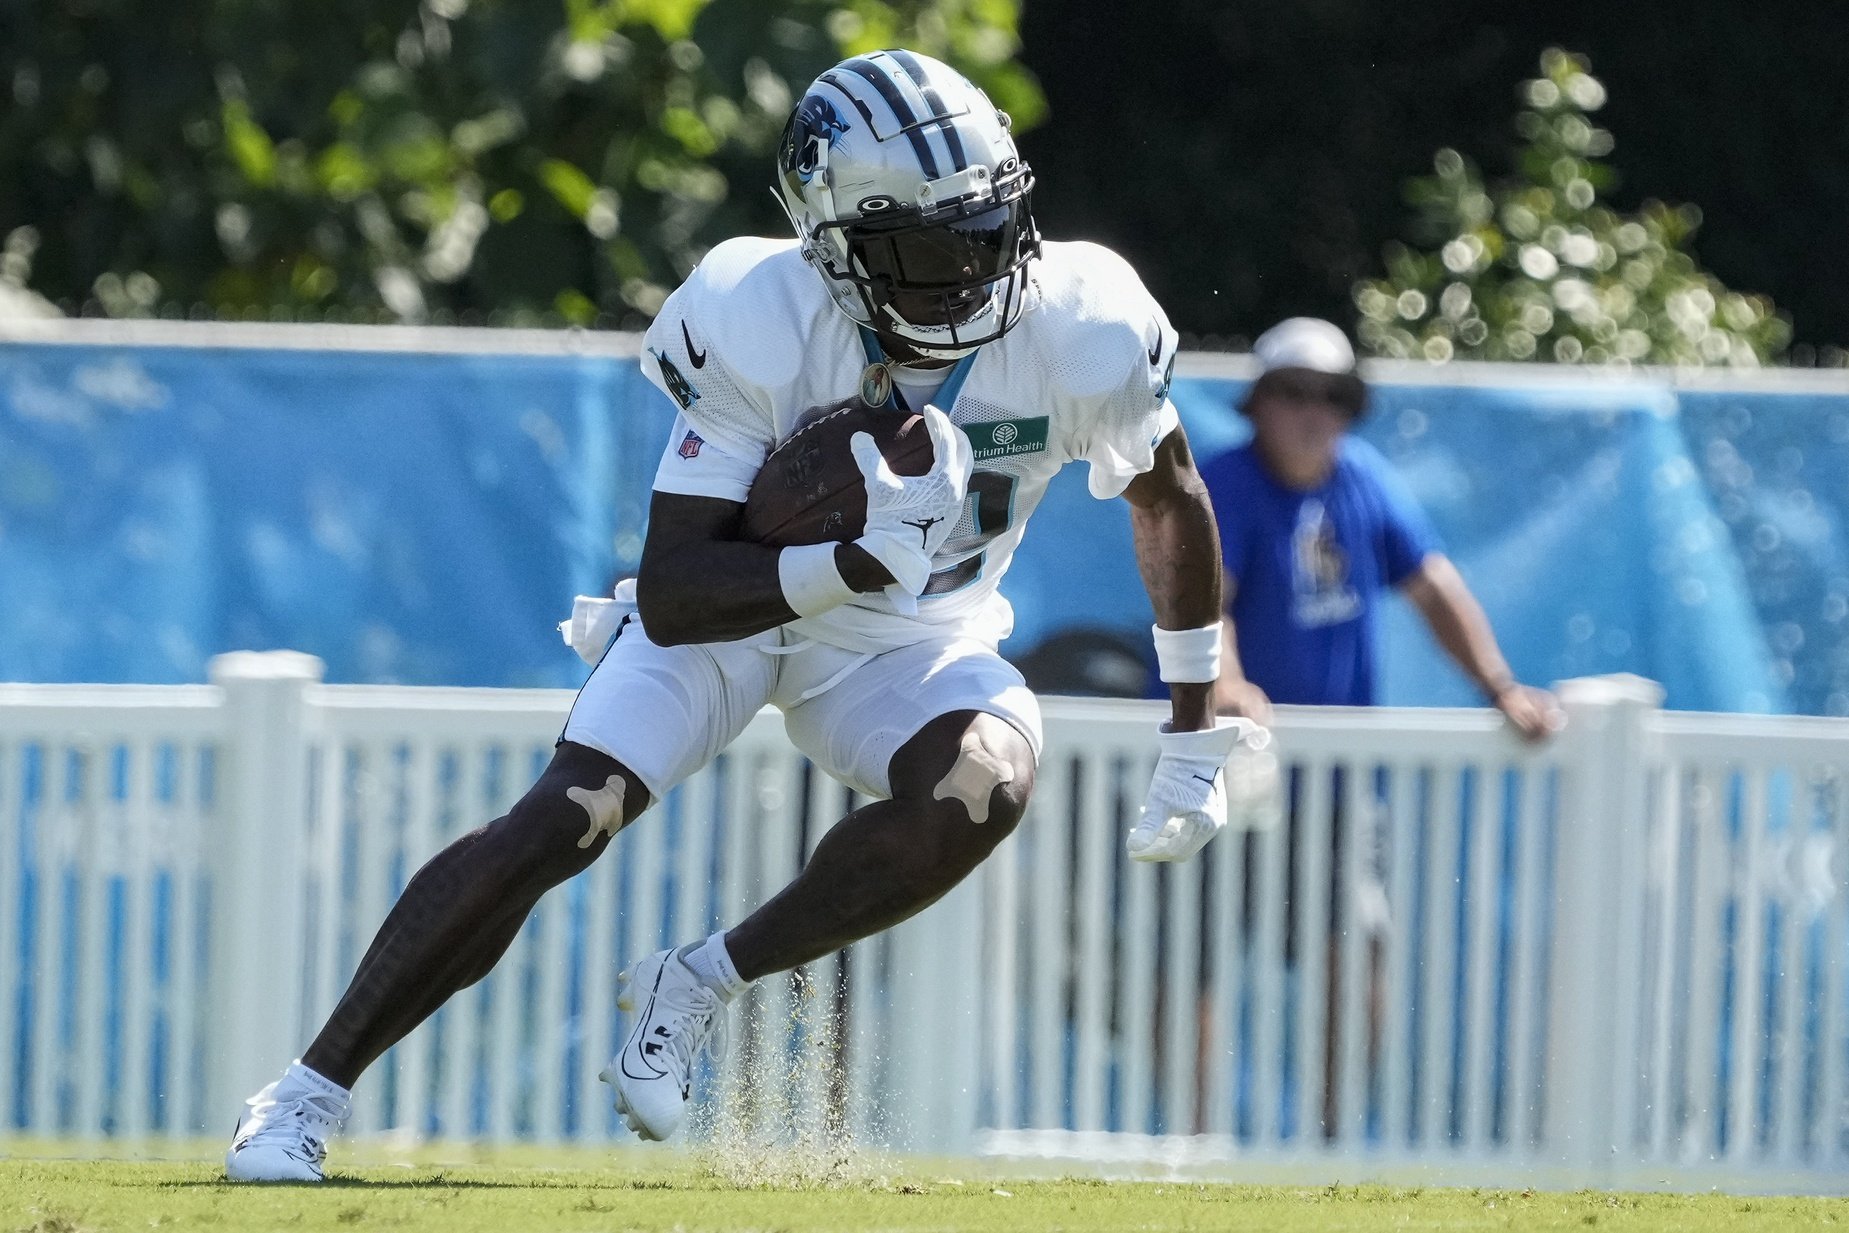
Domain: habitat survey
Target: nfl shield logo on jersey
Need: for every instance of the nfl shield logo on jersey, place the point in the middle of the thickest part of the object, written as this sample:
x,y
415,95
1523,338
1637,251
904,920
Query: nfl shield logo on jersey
x,y
690,444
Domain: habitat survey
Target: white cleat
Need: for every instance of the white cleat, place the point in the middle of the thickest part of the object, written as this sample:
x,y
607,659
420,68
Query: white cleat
x,y
676,1016
284,1139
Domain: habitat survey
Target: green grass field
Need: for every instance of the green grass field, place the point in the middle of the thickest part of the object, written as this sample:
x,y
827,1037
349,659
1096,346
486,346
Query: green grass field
x,y
645,1191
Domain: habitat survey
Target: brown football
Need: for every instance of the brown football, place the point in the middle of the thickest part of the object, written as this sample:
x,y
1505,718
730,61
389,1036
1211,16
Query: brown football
x,y
810,490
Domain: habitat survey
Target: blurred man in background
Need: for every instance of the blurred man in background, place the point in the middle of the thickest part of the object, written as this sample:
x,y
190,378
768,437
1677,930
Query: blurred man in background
x,y
1314,529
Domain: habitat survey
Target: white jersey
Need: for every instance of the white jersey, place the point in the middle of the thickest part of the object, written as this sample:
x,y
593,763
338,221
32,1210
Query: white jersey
x,y
751,341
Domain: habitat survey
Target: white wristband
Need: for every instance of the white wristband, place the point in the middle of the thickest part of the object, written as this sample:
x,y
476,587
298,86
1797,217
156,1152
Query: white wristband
x,y
1188,656
811,581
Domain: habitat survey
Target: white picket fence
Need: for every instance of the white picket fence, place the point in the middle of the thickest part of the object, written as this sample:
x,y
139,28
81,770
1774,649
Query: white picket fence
x,y
1617,958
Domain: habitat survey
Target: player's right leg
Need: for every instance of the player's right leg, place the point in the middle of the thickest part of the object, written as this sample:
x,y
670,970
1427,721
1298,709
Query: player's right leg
x,y
454,920
648,717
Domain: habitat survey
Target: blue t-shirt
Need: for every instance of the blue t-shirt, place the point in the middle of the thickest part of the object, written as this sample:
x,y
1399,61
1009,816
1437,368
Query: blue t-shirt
x,y
1309,568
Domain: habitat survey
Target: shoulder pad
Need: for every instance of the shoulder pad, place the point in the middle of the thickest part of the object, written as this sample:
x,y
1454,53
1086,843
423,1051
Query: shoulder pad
x,y
750,302
1098,325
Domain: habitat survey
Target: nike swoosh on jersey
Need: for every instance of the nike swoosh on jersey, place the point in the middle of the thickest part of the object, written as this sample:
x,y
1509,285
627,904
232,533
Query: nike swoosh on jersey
x,y
698,358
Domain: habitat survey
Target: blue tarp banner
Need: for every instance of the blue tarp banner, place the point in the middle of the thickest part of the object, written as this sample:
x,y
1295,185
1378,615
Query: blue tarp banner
x,y
426,518
408,518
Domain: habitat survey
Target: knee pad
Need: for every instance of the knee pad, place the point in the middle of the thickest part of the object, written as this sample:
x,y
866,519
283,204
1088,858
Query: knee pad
x,y
974,776
562,822
602,806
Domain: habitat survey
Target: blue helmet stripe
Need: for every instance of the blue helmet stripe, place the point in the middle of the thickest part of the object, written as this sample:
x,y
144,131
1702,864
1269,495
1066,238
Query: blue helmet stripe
x,y
947,128
860,104
909,63
901,110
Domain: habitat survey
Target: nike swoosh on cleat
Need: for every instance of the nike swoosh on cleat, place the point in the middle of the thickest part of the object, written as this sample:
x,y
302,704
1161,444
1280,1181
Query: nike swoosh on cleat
x,y
652,1072
698,358
648,1010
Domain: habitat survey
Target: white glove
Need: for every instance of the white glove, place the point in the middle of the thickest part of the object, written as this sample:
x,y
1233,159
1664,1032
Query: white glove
x,y
1186,805
910,516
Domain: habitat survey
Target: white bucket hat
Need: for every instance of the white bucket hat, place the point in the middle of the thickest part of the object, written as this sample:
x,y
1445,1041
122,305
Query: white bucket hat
x,y
1305,342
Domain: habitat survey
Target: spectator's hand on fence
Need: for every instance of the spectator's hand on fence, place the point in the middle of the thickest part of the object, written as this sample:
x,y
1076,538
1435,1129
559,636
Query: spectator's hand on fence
x,y
1186,805
1241,697
1535,714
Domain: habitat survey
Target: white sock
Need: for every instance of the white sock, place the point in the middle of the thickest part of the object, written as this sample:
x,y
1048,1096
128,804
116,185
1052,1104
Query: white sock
x,y
300,1076
712,963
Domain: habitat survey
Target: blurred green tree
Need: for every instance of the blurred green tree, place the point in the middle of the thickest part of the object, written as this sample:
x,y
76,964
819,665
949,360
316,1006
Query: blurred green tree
x,y
1535,268
504,160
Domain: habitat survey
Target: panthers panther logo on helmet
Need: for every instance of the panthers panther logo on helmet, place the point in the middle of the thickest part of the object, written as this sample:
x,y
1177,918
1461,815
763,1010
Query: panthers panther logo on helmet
x,y
814,126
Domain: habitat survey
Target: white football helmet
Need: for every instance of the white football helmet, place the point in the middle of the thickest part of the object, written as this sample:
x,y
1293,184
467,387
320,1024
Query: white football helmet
x,y
909,198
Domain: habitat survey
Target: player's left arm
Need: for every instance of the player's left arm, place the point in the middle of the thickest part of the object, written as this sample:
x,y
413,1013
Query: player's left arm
x,y
1178,553
1459,623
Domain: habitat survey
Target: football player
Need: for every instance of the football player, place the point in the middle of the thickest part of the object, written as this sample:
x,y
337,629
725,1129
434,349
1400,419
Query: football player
x,y
916,280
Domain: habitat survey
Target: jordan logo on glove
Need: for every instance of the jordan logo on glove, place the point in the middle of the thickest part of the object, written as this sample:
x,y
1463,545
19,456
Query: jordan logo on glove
x,y
924,503
924,526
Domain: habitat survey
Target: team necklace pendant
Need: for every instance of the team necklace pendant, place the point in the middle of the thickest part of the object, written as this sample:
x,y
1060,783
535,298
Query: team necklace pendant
x,y
876,385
